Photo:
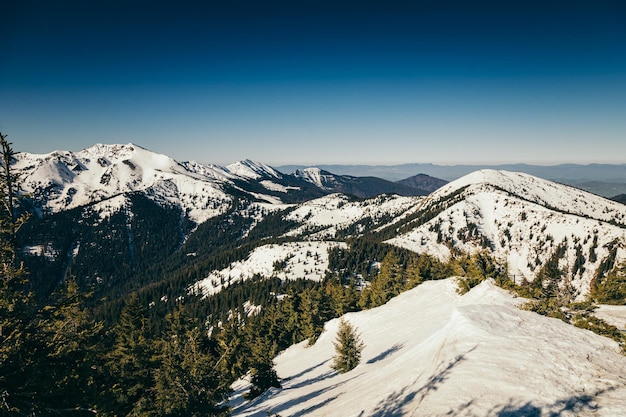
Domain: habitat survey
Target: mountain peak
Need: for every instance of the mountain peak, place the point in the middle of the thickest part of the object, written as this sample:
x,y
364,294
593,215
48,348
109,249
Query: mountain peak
x,y
252,170
316,176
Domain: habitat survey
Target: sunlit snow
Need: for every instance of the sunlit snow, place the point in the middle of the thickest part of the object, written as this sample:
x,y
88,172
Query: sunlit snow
x,y
433,352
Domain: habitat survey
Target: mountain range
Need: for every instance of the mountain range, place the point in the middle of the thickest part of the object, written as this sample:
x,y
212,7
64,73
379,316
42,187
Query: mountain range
x,y
122,219
520,219
607,180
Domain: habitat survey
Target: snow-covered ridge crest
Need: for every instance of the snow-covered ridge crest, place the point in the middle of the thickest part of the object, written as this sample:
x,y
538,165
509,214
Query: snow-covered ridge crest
x,y
523,221
470,355
546,193
252,170
315,176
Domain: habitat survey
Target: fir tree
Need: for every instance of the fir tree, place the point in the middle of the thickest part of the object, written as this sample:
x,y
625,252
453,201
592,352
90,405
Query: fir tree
x,y
187,381
16,302
70,343
131,362
348,347
262,351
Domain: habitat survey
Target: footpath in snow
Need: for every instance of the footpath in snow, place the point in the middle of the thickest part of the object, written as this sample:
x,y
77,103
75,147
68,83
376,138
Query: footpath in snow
x,y
433,352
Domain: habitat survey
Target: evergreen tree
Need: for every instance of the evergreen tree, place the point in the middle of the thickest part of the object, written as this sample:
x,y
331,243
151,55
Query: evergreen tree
x,y
233,351
130,363
187,382
262,351
70,342
348,347
17,308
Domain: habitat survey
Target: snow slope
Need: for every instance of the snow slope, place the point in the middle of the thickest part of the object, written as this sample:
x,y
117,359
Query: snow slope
x,y
432,352
252,170
522,220
64,180
308,260
330,214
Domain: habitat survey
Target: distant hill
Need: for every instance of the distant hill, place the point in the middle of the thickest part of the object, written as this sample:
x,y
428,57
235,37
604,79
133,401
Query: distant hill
x,y
362,187
423,182
620,198
602,179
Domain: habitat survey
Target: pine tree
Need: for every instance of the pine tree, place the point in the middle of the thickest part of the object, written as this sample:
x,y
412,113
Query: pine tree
x,y
262,351
69,342
17,308
233,351
348,347
130,363
187,381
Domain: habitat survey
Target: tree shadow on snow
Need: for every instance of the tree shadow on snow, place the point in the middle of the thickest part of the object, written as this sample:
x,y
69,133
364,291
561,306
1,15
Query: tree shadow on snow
x,y
306,371
386,353
311,395
394,404
313,380
565,407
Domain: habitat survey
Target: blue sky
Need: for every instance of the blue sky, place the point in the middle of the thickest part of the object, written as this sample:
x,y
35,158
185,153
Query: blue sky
x,y
319,82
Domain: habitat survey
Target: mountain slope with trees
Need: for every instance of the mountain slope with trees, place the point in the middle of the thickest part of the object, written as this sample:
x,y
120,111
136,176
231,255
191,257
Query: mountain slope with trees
x,y
105,297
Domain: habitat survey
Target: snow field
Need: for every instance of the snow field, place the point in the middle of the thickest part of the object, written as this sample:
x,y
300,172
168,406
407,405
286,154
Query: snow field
x,y
308,260
433,352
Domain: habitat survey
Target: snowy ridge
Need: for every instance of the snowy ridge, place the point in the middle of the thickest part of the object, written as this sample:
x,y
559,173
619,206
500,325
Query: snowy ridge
x,y
316,176
63,180
548,194
522,220
470,355
252,170
308,260
330,214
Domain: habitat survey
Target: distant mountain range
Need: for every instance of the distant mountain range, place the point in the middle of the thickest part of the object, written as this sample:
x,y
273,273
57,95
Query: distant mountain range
x,y
602,179
518,217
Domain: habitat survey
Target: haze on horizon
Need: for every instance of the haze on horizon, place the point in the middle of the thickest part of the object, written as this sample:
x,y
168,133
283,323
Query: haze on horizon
x,y
319,82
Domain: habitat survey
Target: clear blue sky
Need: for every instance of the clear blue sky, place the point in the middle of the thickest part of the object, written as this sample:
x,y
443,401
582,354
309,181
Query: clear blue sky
x,y
319,82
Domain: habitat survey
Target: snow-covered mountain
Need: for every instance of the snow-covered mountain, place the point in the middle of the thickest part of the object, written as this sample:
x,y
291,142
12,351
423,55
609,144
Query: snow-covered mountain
x,y
252,170
521,219
433,352
63,180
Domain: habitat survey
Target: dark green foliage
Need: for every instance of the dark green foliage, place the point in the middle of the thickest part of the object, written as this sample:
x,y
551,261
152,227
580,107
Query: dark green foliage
x,y
187,380
70,351
611,289
348,347
131,363
546,283
262,351
17,308
549,307
474,269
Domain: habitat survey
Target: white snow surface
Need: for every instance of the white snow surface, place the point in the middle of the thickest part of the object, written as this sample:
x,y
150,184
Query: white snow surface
x,y
63,180
330,214
316,176
433,352
308,260
524,219
612,314
252,170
